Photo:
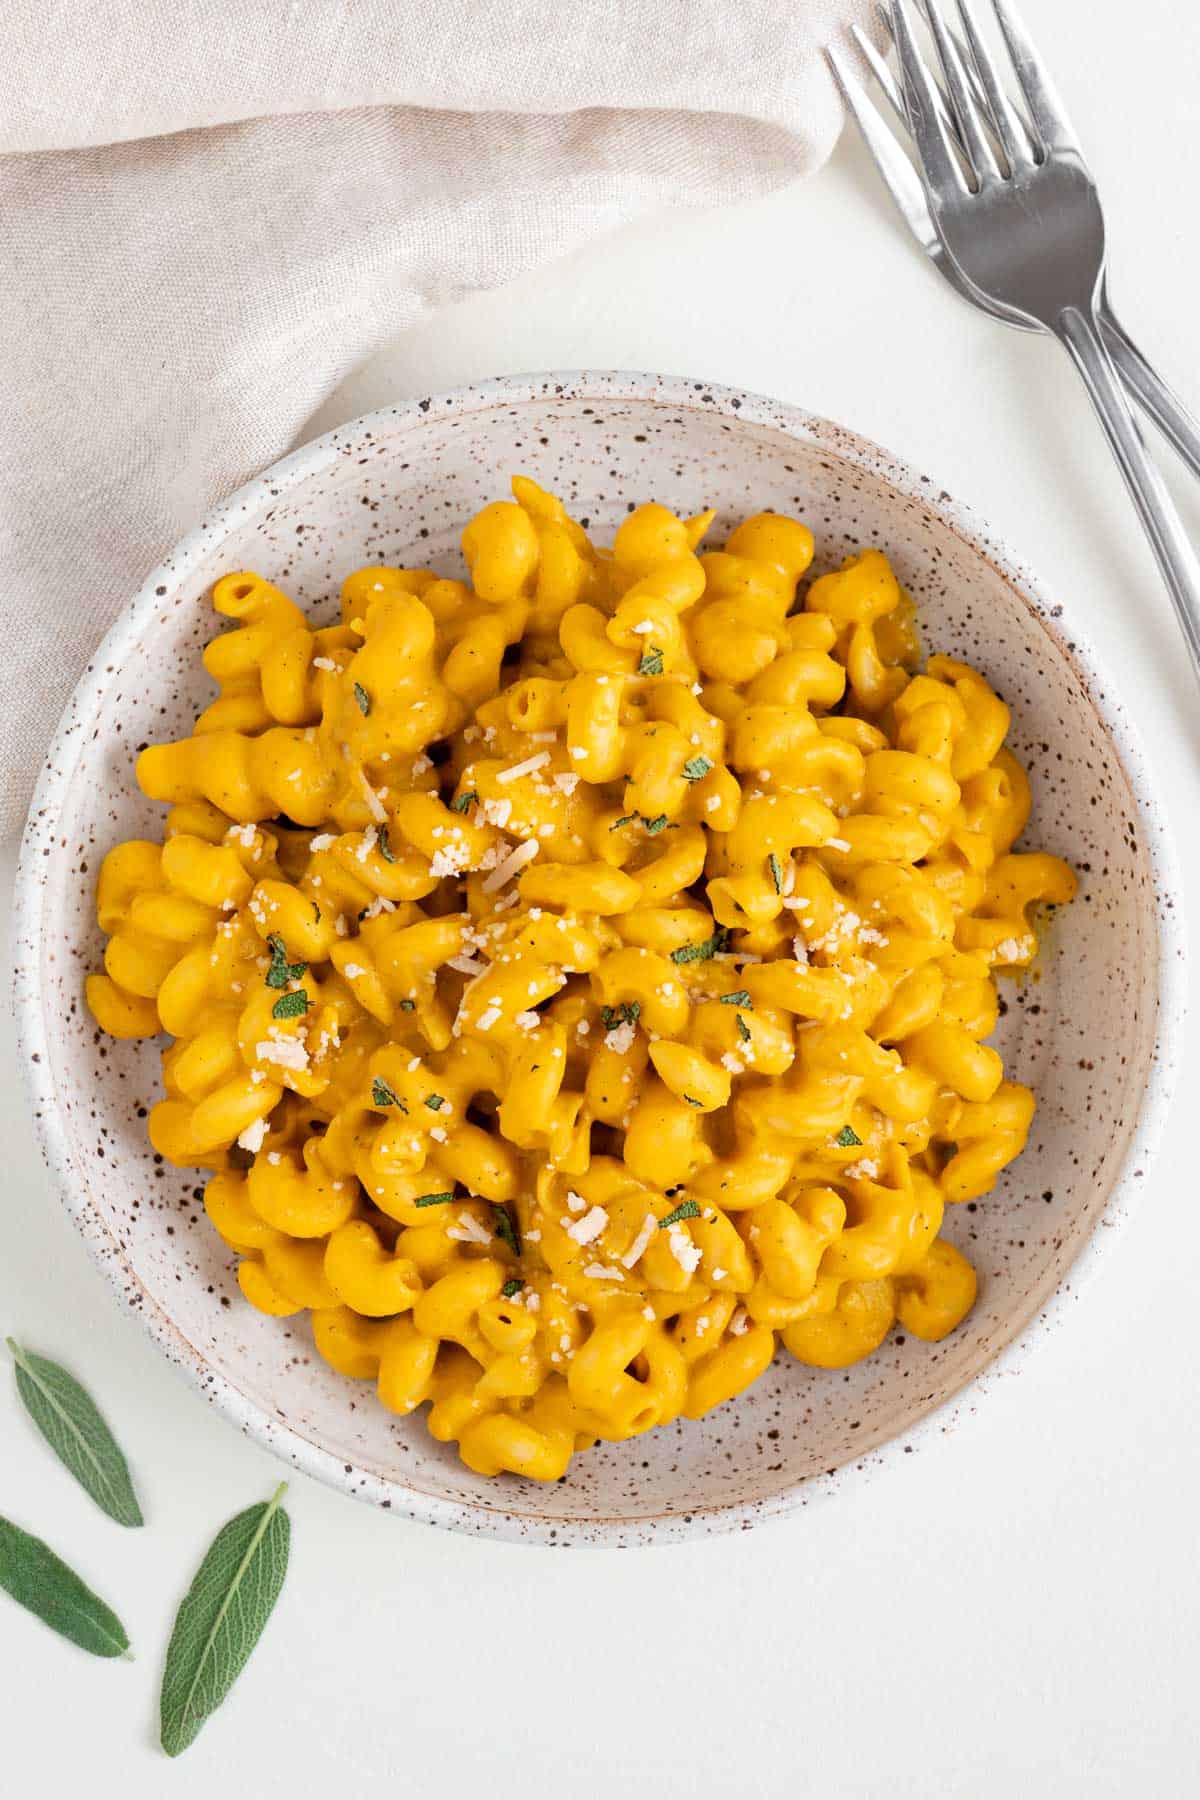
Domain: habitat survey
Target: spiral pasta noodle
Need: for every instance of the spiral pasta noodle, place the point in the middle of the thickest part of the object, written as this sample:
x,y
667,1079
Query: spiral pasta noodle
x,y
578,975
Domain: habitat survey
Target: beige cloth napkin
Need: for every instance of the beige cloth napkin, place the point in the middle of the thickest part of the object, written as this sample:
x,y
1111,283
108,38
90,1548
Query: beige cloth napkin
x,y
212,210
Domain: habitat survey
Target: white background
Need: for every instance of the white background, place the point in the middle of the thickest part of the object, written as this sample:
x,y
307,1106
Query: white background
x,y
1012,1609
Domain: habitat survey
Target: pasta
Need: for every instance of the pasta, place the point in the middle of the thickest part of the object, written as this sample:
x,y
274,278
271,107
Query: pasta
x,y
578,976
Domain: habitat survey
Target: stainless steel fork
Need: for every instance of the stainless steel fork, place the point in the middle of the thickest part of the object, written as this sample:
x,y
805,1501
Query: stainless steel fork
x,y
1025,235
1141,380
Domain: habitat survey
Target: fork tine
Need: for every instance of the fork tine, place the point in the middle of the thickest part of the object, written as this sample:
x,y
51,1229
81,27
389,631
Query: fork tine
x,y
1045,108
940,166
879,68
888,82
1014,139
967,115
900,178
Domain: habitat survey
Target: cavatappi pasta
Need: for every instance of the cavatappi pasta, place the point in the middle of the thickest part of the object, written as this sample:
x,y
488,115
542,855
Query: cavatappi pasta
x,y
578,977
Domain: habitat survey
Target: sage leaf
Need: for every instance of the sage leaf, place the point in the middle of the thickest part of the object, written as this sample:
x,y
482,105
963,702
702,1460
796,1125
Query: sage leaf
x,y
221,1618
687,1209
41,1582
69,1420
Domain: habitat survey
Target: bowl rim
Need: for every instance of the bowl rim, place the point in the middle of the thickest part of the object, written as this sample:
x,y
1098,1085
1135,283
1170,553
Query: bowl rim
x,y
264,490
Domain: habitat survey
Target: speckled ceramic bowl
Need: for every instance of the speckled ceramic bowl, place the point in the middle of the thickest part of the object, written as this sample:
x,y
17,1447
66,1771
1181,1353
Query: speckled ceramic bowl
x,y
1096,1036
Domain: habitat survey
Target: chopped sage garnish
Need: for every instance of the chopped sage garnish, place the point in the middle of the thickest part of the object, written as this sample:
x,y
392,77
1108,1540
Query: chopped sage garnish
x,y
713,946
506,1231
383,1095
290,1006
687,1209
281,970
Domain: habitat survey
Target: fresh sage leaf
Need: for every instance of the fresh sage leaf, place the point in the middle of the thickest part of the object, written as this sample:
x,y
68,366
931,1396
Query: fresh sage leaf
x,y
221,1618
41,1582
69,1420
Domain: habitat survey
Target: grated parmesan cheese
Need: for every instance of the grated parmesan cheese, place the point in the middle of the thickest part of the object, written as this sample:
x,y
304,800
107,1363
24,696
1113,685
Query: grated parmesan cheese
x,y
375,805
468,965
450,861
286,1052
469,1231
686,1254
512,864
643,1238
377,906
529,767
589,1226
252,1138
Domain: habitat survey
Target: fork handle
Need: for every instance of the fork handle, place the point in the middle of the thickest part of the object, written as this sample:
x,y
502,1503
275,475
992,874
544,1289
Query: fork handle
x,y
1167,410
1177,559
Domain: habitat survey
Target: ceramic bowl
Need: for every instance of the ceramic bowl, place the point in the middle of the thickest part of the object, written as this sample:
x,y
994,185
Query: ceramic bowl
x,y
1095,1035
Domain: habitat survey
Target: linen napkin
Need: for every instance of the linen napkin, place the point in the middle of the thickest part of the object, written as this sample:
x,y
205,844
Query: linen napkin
x,y
212,210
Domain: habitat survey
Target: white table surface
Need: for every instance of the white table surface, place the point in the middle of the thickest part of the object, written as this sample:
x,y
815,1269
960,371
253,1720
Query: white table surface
x,y
1016,1607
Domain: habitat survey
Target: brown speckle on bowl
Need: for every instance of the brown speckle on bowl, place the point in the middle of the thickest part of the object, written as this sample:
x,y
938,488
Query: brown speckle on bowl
x,y
1096,1035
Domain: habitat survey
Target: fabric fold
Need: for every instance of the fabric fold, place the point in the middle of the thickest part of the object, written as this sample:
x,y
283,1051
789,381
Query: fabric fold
x,y
178,303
